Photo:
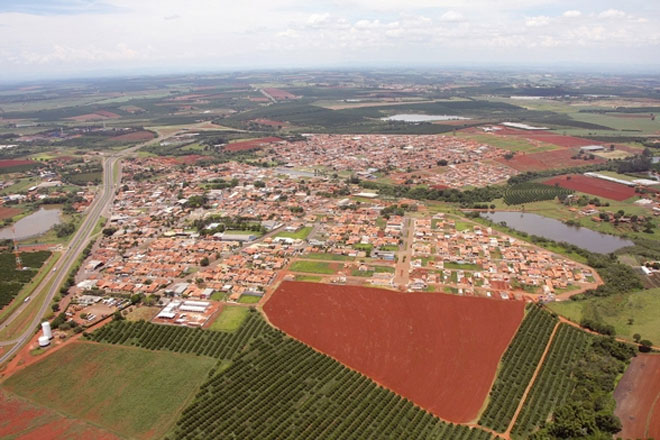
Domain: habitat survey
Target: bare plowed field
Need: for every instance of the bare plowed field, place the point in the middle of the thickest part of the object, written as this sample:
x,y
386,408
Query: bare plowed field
x,y
440,351
593,186
638,398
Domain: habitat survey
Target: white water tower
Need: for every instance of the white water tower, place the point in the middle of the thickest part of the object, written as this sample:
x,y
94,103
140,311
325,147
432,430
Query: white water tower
x,y
45,326
44,341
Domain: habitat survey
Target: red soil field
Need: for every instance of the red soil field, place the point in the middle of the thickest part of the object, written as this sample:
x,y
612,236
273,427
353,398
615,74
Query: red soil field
x,y
251,145
280,95
21,419
8,212
593,186
440,351
637,398
135,136
547,160
15,162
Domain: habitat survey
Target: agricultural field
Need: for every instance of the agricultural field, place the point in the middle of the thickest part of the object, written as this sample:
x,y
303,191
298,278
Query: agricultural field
x,y
555,381
355,325
637,395
276,387
131,391
548,160
25,420
517,368
629,313
12,279
593,186
532,192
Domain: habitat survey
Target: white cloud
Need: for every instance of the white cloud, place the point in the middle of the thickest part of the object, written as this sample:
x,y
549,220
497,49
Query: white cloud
x,y
260,33
572,13
612,13
541,20
452,17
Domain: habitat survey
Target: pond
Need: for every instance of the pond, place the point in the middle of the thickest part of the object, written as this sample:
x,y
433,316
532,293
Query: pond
x,y
409,117
556,230
33,225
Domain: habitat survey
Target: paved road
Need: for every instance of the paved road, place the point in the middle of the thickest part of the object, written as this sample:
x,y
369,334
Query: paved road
x,y
102,203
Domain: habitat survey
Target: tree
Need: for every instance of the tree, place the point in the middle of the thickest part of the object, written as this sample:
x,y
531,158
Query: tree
x,y
645,345
637,337
204,262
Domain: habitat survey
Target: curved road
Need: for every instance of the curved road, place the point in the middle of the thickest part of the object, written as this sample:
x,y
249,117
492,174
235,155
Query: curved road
x,y
68,259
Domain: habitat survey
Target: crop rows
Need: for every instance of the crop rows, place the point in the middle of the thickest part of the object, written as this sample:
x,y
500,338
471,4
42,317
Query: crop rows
x,y
532,192
278,388
555,381
517,368
282,389
181,339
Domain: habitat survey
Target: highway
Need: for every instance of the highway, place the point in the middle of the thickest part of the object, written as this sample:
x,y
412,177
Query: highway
x,y
53,280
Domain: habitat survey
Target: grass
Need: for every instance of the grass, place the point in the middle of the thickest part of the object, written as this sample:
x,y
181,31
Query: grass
x,y
309,278
329,257
300,234
466,266
230,318
249,299
512,143
145,313
132,391
312,267
642,307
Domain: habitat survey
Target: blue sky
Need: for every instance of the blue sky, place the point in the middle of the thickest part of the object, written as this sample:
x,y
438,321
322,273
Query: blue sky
x,y
72,38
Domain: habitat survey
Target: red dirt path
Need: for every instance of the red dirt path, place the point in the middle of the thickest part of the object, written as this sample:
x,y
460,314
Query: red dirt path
x,y
638,398
440,351
594,186
24,420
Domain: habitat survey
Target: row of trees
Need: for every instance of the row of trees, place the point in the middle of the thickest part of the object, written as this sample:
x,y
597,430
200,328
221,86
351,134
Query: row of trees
x,y
517,368
180,339
279,388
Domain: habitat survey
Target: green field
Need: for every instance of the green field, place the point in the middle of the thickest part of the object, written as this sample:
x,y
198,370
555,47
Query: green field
x,y
312,267
309,278
300,234
230,318
642,307
249,299
328,257
131,391
512,143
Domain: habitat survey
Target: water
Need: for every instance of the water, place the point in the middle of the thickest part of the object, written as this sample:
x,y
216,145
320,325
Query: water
x,y
34,224
555,230
409,117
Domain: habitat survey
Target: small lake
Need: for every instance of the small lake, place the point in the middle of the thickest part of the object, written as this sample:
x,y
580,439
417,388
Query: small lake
x,y
556,230
410,117
34,224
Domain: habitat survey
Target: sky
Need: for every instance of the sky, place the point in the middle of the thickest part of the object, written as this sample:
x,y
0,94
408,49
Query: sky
x,y
75,38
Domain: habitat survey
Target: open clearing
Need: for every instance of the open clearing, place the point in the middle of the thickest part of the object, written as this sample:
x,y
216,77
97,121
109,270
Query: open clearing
x,y
638,398
230,319
452,344
593,186
24,420
131,391
547,160
642,307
